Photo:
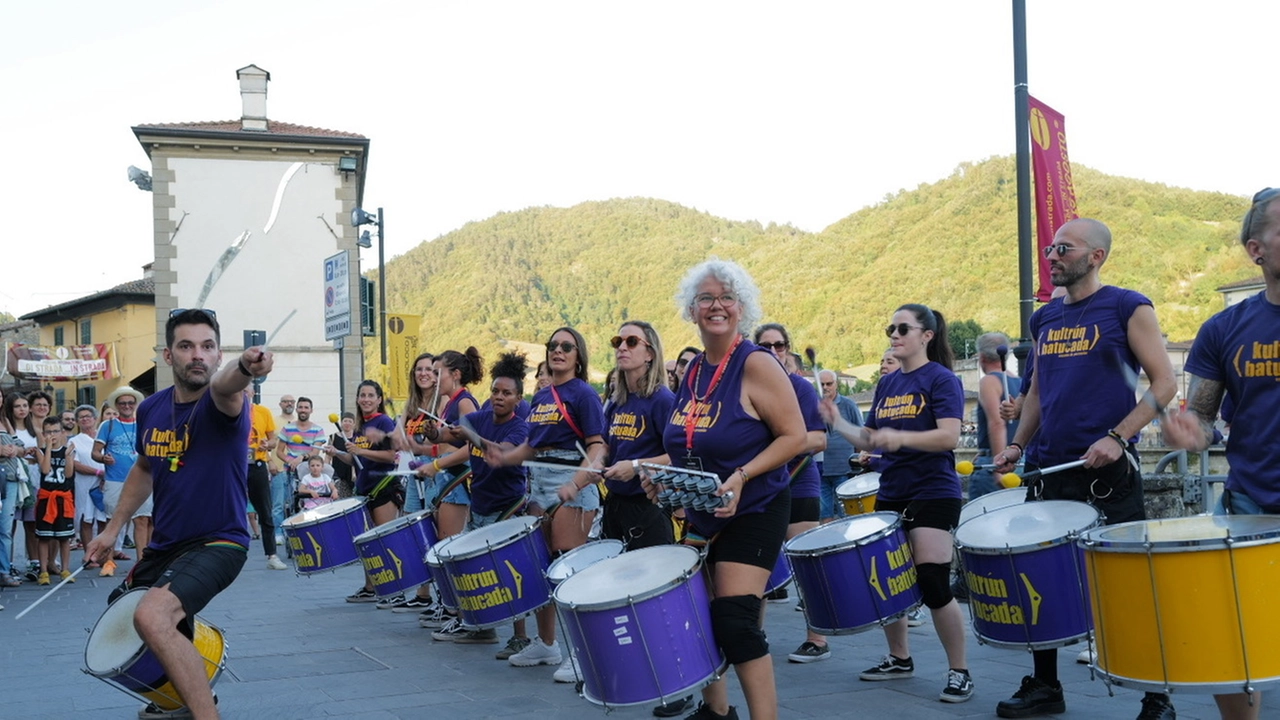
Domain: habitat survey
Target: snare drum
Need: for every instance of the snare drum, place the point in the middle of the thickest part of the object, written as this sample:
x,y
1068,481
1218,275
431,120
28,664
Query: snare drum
x,y
858,493
498,572
581,558
639,625
1027,586
854,573
392,553
1187,603
992,501
116,654
439,577
324,538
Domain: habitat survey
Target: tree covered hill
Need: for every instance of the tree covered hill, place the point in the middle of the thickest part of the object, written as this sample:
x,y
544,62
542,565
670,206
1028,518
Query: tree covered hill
x,y
950,244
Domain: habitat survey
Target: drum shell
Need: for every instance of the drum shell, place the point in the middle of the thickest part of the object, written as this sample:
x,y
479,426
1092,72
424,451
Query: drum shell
x,y
392,554
502,581
1173,616
440,576
858,494
781,574
324,539
856,584
581,558
992,501
653,646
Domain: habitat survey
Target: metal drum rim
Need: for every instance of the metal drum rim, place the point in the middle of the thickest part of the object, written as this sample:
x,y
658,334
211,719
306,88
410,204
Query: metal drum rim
x,y
390,528
1071,537
324,518
1091,541
662,589
529,528
611,542
1216,688
715,675
847,544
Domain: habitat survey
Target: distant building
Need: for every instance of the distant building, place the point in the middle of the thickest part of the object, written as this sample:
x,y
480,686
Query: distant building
x,y
1234,292
246,211
24,332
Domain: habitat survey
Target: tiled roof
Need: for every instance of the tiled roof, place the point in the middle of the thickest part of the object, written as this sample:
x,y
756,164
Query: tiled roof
x,y
1245,283
274,127
143,287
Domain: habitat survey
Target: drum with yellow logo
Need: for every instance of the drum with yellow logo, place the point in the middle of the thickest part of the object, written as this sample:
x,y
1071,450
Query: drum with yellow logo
x,y
1025,574
858,493
1187,602
324,538
498,572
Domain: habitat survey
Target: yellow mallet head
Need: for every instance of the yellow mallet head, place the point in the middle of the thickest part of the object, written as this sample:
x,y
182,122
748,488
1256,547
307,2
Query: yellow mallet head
x,y
1010,480
333,418
296,439
964,467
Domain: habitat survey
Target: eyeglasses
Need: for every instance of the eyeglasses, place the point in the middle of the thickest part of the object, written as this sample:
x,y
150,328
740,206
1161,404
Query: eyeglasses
x,y
563,346
901,328
727,300
630,341
178,311
1060,248
776,346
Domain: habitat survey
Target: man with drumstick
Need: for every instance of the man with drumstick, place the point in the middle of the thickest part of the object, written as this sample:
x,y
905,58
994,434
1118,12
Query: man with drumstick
x,y
1230,350
1082,401
192,442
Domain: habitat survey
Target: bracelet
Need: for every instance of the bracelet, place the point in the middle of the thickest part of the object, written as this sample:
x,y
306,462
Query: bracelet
x,y
435,450
635,465
436,464
1021,451
1124,444
745,477
243,370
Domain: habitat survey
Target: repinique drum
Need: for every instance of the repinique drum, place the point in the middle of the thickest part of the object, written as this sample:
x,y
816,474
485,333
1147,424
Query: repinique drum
x,y
324,539
858,493
1187,603
854,573
1027,586
392,553
439,576
781,574
639,625
116,654
498,572
581,558
992,501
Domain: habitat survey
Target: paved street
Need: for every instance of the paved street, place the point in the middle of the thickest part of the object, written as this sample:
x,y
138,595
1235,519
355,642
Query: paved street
x,y
297,650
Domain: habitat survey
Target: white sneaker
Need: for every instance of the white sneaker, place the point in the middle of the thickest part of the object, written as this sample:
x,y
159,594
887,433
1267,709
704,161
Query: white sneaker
x,y
537,653
568,670
274,563
915,618
1087,657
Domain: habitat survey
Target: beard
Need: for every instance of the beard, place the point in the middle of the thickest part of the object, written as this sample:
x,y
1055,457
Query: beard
x,y
189,381
1070,274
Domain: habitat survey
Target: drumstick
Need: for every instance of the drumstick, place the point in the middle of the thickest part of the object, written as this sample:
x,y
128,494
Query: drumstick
x,y
266,343
1131,378
1003,352
561,468
812,354
1047,471
52,590
333,418
473,437
581,450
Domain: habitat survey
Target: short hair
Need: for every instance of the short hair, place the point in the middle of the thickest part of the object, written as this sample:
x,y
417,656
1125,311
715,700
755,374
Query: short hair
x,y
191,316
91,410
735,278
989,345
832,373
348,415
1255,221
511,365
655,374
52,421
304,399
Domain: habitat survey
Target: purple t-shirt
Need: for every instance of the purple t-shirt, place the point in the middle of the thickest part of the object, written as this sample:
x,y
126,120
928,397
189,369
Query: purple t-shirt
x,y
208,494
547,429
807,482
725,437
1083,393
1240,347
635,431
451,414
496,489
916,401
372,471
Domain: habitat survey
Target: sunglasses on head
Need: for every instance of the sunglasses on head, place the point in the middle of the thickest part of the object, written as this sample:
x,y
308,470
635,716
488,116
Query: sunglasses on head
x,y
776,346
563,346
630,341
901,328
206,311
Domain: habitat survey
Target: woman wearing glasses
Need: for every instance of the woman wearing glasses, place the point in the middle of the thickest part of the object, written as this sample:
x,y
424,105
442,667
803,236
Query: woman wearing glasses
x,y
915,425
736,416
566,423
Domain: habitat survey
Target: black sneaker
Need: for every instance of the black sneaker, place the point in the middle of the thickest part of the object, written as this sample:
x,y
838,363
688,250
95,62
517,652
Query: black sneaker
x,y
891,668
1157,707
415,604
33,572
705,713
363,595
960,591
800,605
777,596
1035,697
959,687
673,708
154,712
810,652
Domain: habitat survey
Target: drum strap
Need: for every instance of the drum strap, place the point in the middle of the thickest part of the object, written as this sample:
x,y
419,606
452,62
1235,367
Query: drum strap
x,y
800,466
515,509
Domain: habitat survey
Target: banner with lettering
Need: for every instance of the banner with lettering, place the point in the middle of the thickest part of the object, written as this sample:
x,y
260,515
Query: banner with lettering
x,y
62,363
1054,190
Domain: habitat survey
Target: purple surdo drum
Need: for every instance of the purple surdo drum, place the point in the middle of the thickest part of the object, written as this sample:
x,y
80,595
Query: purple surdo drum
x,y
498,571
392,553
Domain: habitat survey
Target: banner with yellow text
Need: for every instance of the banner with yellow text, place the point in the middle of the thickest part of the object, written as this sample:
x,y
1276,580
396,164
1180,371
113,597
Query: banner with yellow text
x,y
402,349
1055,192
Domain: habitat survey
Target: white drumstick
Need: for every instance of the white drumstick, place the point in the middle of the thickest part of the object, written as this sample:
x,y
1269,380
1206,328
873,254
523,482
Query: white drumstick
x,y
561,468
52,590
279,327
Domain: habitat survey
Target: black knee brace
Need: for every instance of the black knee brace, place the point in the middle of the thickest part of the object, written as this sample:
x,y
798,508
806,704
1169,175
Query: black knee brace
x,y
735,622
935,584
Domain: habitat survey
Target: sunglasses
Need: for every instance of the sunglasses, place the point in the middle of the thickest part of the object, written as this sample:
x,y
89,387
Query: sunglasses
x,y
1263,195
213,314
563,346
776,346
630,341
901,328
1060,248
727,300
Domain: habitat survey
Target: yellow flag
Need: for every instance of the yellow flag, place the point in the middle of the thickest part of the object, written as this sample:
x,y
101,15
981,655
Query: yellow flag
x,y
402,348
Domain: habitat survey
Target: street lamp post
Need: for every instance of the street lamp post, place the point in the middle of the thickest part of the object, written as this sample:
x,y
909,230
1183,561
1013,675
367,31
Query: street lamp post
x,y
360,217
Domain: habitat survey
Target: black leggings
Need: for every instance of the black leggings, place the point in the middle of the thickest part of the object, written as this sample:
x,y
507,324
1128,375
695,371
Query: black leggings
x,y
260,496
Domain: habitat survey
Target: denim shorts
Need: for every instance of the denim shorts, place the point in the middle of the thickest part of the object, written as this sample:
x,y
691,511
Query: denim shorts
x,y
460,495
544,487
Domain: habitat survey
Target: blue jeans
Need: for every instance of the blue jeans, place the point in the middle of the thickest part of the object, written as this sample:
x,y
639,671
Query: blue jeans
x,y
1241,504
280,483
828,508
6,525
983,480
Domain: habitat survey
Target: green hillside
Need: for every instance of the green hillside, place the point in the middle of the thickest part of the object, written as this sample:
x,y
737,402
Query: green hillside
x,y
950,244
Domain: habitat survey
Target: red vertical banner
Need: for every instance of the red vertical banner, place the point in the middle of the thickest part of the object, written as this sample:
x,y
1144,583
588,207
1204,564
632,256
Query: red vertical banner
x,y
1055,193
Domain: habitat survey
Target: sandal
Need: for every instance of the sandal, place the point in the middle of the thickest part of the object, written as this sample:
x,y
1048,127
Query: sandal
x,y
9,581
123,556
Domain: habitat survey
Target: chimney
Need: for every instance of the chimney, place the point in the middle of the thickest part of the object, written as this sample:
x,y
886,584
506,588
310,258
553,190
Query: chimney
x,y
253,96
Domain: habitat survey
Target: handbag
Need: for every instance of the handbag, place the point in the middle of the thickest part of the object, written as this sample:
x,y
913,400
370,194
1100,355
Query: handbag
x,y
95,495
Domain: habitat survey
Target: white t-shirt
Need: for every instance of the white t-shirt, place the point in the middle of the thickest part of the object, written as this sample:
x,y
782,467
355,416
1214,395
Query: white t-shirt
x,y
82,444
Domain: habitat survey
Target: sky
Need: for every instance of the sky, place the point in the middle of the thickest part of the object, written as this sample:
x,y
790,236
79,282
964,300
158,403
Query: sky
x,y
798,112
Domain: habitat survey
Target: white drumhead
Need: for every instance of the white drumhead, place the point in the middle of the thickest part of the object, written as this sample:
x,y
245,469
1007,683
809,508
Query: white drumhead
x,y
481,539
328,510
1027,524
583,557
632,574
391,527
114,641
432,557
992,501
842,532
859,486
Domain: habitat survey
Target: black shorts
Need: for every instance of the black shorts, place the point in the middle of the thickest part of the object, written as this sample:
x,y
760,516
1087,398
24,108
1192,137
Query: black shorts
x,y
636,521
195,573
754,539
1115,489
388,490
805,510
938,513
